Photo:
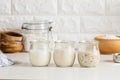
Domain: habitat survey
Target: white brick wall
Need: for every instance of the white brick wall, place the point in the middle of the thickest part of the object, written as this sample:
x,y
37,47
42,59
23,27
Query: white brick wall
x,y
81,7
69,16
34,7
5,7
113,7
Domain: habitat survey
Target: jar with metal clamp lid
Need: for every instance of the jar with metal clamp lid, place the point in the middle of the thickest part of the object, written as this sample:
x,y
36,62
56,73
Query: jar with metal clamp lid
x,y
36,31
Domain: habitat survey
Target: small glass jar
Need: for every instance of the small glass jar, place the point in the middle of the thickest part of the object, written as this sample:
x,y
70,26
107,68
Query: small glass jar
x,y
64,54
88,54
36,31
116,57
39,53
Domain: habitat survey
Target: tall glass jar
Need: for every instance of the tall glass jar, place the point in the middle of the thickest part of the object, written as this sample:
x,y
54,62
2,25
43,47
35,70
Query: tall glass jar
x,y
40,53
36,31
64,54
88,54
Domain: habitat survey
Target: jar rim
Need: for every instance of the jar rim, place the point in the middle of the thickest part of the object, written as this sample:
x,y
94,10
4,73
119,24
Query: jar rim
x,y
29,25
32,23
64,41
88,42
39,22
45,41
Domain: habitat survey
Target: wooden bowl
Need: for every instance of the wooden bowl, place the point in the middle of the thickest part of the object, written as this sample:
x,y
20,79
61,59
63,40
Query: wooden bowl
x,y
11,36
0,40
108,46
6,49
10,44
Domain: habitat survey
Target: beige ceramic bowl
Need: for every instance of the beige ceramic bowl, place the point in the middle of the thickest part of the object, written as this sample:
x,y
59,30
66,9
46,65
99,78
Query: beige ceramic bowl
x,y
108,46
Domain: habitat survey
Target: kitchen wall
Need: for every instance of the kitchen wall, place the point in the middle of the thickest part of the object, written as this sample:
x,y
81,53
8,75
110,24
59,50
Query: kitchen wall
x,y
71,17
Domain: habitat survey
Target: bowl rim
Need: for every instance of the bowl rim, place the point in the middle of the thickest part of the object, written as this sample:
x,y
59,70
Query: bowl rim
x,y
101,38
14,34
11,36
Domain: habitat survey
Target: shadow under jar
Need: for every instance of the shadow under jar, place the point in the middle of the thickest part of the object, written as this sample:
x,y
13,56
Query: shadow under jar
x,y
40,53
88,54
64,54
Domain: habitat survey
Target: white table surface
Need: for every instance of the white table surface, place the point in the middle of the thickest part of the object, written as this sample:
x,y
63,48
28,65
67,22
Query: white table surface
x,y
106,70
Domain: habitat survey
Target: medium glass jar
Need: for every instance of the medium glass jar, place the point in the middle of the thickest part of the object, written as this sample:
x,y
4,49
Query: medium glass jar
x,y
88,54
36,31
64,54
39,53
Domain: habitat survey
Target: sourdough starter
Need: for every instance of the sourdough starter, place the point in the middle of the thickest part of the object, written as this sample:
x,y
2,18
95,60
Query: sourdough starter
x,y
88,59
64,57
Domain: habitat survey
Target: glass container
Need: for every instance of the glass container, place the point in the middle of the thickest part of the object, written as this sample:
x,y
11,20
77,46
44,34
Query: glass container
x,y
88,54
116,57
39,53
36,31
64,54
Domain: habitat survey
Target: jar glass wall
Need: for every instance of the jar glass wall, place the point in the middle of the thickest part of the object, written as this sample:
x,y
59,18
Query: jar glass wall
x,y
64,54
36,31
40,53
88,54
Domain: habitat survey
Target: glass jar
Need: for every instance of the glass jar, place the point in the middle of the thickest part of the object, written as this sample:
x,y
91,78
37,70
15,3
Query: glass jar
x,y
116,57
64,54
39,53
36,31
88,54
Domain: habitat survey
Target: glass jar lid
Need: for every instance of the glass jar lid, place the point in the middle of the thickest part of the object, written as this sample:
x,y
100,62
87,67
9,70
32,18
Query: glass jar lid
x,y
41,25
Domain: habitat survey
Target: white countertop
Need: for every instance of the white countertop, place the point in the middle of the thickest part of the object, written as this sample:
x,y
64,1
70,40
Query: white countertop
x,y
106,70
